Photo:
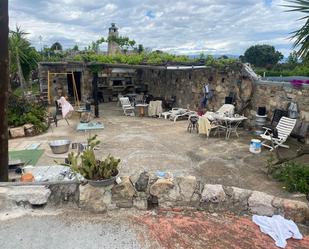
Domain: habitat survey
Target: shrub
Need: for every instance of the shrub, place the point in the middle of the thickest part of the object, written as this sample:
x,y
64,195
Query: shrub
x,y
21,111
295,176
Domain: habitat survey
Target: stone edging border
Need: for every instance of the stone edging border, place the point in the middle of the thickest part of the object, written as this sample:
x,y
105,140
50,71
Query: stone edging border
x,y
146,191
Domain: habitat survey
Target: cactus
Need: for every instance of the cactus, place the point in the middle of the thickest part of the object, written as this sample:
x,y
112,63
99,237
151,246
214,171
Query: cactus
x,y
88,166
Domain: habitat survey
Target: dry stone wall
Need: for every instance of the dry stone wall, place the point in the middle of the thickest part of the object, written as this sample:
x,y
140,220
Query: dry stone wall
x,y
184,192
187,86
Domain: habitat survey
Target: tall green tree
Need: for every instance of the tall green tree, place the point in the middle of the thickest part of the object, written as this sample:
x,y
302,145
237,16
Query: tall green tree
x,y
56,46
262,55
301,35
23,57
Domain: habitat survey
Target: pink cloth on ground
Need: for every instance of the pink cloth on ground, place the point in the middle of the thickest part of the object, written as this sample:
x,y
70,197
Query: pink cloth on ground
x,y
66,107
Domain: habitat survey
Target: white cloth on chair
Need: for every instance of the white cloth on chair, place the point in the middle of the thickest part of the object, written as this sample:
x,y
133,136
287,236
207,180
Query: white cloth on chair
x,y
155,108
66,107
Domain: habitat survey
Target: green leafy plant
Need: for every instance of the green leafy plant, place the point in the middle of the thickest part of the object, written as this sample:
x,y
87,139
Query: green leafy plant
x,y
91,168
295,176
22,111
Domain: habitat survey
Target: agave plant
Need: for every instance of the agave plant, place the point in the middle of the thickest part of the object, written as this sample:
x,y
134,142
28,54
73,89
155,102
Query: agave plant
x,y
91,168
301,35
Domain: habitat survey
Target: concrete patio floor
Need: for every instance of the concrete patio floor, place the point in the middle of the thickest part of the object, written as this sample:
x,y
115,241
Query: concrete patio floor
x,y
161,145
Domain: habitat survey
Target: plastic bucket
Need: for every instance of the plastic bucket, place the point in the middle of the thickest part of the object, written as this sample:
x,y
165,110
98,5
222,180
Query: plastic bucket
x,y
255,146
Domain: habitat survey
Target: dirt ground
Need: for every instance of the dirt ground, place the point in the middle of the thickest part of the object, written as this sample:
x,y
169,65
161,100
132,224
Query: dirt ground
x,y
153,145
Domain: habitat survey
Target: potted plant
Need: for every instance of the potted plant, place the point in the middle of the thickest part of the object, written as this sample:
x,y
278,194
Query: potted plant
x,y
96,172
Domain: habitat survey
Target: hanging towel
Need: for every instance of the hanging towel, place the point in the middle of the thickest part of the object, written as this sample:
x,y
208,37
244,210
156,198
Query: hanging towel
x,y
204,125
278,228
66,107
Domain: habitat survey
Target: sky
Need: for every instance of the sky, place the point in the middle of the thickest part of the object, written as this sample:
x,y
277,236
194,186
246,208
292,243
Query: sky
x,y
175,26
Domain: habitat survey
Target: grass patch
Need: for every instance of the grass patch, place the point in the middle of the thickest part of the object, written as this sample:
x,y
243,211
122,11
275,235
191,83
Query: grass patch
x,y
295,176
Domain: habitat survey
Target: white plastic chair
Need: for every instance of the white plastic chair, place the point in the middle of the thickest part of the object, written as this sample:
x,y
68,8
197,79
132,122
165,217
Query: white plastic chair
x,y
127,108
284,128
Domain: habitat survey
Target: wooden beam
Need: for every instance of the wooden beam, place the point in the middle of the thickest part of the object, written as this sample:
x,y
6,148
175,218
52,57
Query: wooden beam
x,y
48,88
4,82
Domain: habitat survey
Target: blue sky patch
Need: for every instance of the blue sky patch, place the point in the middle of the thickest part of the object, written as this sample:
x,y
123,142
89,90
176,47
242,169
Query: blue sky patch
x,y
150,14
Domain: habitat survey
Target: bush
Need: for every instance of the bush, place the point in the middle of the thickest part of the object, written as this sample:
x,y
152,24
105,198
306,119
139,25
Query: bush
x,y
21,111
295,177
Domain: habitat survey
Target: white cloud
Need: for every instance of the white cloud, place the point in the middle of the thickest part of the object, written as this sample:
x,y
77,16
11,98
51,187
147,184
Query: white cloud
x,y
212,26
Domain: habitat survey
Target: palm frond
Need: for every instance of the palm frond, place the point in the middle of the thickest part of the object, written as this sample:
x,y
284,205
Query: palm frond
x,y
301,35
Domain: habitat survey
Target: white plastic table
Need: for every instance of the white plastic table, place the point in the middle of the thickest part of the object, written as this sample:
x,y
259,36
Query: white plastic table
x,y
230,124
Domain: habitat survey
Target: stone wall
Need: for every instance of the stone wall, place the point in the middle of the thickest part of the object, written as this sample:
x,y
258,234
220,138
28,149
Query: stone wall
x,y
279,95
148,191
60,80
187,86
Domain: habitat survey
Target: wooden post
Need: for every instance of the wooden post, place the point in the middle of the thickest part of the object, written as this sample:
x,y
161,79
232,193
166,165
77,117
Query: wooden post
x,y
48,88
76,98
4,82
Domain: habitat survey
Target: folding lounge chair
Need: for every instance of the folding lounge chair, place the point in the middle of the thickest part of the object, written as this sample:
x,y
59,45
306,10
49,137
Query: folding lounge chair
x,y
225,110
127,108
284,129
181,113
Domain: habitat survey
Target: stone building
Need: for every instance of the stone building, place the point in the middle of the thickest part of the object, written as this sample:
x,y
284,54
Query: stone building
x,y
113,47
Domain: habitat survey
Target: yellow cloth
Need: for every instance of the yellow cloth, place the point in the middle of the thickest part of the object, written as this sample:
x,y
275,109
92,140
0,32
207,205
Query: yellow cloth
x,y
204,125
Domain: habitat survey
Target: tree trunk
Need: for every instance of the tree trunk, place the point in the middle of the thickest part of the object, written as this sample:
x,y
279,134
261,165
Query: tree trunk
x,y
21,77
300,152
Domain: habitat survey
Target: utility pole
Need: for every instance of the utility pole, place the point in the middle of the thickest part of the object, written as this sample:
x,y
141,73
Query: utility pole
x,y
4,82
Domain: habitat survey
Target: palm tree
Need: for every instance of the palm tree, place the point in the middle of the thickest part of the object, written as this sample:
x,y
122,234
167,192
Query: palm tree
x,y
18,44
301,35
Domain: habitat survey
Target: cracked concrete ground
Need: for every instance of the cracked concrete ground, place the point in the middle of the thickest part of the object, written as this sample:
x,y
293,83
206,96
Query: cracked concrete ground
x,y
161,229
161,145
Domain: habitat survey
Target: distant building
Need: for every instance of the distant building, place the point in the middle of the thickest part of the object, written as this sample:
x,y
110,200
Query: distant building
x,y
113,47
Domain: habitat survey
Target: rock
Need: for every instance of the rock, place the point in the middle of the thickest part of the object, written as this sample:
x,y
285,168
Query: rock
x,y
29,129
160,187
92,198
213,193
142,182
261,203
61,194
187,186
304,115
140,202
241,195
5,203
296,210
123,193
17,132
34,195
